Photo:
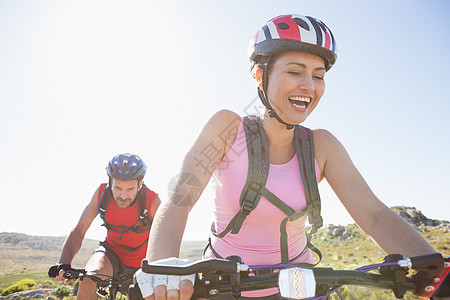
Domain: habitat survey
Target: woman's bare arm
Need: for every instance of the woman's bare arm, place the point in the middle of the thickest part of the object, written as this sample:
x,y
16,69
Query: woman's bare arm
x,y
197,168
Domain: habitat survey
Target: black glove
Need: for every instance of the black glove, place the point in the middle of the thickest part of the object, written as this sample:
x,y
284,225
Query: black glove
x,y
54,270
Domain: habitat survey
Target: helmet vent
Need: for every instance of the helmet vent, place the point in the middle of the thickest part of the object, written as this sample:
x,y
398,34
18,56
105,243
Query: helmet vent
x,y
301,23
322,26
283,25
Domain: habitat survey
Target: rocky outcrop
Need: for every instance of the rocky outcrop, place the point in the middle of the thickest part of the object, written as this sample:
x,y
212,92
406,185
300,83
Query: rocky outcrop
x,y
410,214
341,232
419,221
31,294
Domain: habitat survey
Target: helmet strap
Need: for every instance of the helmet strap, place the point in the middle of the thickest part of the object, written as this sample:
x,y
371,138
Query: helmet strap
x,y
263,96
140,183
135,199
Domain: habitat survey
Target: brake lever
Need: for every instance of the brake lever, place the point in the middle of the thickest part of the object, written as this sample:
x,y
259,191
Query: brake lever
x,y
431,271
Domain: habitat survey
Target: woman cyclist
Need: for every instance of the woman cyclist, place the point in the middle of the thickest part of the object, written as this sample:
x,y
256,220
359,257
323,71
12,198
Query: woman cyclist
x,y
290,56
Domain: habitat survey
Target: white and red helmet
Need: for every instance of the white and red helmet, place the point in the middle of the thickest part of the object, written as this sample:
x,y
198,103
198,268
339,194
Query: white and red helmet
x,y
294,33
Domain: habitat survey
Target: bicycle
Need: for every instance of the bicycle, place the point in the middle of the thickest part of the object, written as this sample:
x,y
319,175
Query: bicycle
x,y
230,276
105,284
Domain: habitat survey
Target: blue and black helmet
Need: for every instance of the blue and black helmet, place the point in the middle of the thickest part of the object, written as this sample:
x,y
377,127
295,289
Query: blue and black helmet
x,y
126,167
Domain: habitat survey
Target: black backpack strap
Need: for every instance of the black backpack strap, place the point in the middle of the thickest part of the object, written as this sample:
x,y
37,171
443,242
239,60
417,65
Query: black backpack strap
x,y
283,240
209,245
305,154
277,202
284,249
258,170
103,203
144,217
315,250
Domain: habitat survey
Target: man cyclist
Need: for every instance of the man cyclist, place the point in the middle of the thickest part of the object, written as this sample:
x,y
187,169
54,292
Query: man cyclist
x,y
127,220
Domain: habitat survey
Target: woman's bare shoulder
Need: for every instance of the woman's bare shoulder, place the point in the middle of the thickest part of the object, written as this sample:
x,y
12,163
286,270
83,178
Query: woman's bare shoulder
x,y
223,124
323,137
326,147
224,118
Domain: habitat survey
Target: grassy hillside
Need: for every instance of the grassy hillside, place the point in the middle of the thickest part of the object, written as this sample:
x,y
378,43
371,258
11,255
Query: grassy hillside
x,y
24,256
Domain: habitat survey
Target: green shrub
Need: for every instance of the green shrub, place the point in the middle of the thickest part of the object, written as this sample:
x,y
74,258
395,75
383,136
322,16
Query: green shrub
x,y
28,282
48,284
62,291
19,286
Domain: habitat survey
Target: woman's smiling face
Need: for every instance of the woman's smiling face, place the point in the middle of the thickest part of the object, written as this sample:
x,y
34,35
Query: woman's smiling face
x,y
296,84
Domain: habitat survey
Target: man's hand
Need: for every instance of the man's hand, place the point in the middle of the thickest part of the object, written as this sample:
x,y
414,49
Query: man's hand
x,y
57,271
166,286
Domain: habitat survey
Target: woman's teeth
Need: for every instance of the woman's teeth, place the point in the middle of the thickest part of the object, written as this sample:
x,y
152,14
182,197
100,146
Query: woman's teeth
x,y
300,102
299,105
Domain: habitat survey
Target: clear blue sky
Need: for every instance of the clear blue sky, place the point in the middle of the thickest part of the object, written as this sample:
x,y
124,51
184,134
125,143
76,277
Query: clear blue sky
x,y
81,81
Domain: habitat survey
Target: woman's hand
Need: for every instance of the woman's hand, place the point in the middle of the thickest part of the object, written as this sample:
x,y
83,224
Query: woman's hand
x,y
154,286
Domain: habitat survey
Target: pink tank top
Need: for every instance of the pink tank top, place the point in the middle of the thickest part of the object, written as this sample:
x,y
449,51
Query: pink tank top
x,y
258,241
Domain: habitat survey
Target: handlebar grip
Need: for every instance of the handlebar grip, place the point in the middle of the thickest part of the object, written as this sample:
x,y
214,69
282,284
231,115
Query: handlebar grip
x,y
54,270
204,266
433,261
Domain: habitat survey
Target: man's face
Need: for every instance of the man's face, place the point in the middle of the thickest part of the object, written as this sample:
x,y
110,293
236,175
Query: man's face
x,y
124,191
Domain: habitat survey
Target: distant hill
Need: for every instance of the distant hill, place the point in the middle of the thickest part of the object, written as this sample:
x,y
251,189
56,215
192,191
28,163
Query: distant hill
x,y
19,252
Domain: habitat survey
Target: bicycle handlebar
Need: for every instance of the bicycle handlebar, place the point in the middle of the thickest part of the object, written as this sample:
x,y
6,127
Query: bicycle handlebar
x,y
107,281
103,284
215,265
216,276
